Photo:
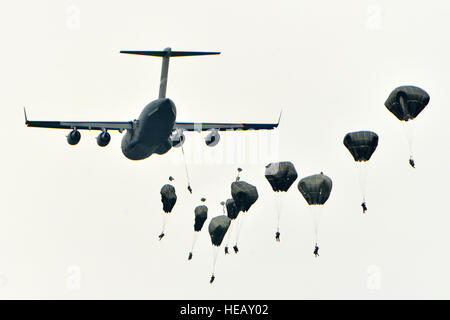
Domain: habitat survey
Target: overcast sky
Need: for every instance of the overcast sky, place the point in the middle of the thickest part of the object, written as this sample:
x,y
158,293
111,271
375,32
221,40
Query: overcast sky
x,y
82,221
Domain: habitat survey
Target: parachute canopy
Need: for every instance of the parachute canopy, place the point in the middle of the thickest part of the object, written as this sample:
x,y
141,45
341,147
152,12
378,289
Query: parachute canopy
x,y
281,175
201,214
361,144
244,195
218,227
315,189
168,197
414,101
232,210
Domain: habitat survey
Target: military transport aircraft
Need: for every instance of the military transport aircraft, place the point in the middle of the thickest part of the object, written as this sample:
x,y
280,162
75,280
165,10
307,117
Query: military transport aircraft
x,y
156,129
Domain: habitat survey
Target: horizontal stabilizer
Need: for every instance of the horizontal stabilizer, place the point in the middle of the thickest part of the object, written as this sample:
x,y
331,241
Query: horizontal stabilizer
x,y
166,54
171,53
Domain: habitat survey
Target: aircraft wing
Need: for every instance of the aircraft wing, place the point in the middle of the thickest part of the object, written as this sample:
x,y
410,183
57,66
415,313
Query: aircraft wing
x,y
81,125
205,126
193,126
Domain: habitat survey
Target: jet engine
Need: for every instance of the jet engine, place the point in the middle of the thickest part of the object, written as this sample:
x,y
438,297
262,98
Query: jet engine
x,y
74,137
212,139
103,139
177,139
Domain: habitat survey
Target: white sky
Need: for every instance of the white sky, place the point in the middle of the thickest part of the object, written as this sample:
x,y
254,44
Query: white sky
x,y
82,222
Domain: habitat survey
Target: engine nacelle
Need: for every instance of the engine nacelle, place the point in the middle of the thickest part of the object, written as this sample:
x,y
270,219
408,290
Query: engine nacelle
x,y
213,138
177,139
103,139
74,137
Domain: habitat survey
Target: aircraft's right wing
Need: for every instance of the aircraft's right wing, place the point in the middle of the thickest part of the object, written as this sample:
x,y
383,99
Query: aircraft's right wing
x,y
80,125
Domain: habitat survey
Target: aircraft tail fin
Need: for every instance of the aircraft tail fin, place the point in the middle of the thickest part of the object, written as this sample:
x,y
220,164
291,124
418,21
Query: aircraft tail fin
x,y
166,54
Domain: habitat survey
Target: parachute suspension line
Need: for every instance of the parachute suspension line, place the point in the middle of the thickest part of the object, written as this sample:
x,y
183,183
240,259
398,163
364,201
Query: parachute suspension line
x,y
165,220
185,164
408,128
194,240
279,197
239,226
316,211
363,170
215,252
165,215
230,230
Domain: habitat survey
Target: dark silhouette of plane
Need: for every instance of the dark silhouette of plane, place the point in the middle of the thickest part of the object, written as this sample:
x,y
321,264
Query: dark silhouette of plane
x,y
156,129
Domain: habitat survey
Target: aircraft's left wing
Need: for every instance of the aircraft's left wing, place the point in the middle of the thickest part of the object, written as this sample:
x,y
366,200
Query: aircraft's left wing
x,y
193,126
205,126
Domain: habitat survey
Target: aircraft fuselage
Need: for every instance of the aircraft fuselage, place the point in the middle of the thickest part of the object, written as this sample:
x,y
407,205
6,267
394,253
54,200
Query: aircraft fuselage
x,y
152,131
